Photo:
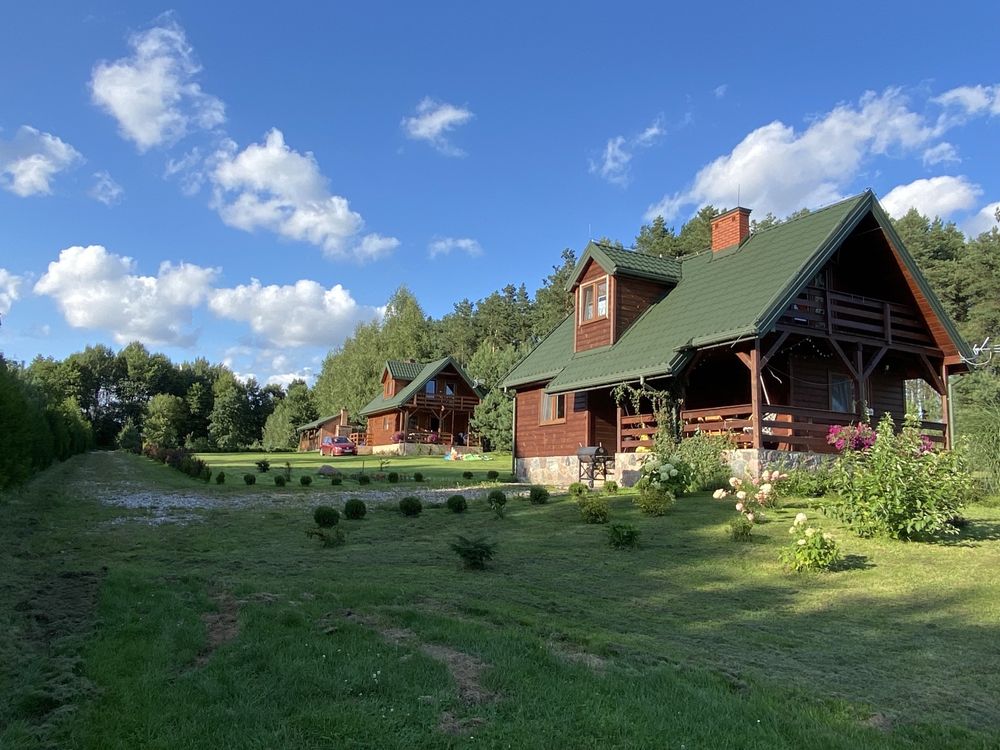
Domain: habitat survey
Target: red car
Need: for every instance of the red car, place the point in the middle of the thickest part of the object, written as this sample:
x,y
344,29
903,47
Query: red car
x,y
337,446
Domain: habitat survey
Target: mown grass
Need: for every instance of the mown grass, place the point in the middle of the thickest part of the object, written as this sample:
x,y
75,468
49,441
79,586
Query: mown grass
x,y
691,640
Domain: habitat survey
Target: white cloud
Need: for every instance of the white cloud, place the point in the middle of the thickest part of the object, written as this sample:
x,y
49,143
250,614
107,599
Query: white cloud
x,y
618,151
285,379
98,289
271,186
433,122
942,152
972,100
720,91
30,160
152,92
106,190
983,221
778,169
9,284
300,314
445,245
933,197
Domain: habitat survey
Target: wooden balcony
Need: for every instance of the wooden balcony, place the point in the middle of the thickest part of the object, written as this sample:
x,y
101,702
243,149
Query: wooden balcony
x,y
857,318
438,402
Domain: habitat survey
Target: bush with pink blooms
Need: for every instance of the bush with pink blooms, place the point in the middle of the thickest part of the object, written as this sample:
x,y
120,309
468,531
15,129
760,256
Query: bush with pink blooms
x,y
752,495
851,437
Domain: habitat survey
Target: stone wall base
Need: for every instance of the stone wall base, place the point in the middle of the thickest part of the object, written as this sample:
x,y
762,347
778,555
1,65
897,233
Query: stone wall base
x,y
419,449
752,461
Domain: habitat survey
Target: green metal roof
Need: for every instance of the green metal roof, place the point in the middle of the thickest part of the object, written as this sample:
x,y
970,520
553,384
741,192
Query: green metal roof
x,y
403,369
721,296
317,423
425,371
620,262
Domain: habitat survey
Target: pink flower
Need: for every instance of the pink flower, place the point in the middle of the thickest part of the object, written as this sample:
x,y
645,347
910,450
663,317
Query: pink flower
x,y
739,506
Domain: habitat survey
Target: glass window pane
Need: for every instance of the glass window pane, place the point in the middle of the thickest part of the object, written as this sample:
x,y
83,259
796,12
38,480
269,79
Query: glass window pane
x,y
602,299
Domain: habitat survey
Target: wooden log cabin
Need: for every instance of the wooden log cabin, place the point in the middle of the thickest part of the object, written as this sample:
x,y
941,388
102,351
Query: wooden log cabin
x,y
422,403
311,435
769,338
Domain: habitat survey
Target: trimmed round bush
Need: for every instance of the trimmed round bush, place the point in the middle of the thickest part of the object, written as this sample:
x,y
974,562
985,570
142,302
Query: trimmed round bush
x,y
336,480
410,506
355,509
326,517
496,497
305,480
594,509
393,476
578,489
457,504
611,487
279,480
220,478
364,479
418,477
467,475
493,475
250,478
538,495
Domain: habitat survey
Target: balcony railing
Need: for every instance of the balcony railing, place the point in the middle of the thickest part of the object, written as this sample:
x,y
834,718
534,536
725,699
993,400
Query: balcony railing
x,y
852,315
437,401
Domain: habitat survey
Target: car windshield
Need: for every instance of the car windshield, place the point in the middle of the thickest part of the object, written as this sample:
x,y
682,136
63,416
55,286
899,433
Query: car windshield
x,y
341,440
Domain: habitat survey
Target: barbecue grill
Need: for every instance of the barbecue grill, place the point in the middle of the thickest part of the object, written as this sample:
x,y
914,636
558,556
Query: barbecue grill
x,y
593,463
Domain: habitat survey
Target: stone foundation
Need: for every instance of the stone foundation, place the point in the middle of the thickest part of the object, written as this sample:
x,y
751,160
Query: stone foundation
x,y
418,449
751,461
562,471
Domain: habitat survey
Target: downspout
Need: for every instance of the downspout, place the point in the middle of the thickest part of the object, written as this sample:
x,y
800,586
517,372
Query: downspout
x,y
950,428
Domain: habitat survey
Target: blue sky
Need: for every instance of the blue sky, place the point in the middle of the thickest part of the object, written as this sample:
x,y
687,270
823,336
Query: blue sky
x,y
246,182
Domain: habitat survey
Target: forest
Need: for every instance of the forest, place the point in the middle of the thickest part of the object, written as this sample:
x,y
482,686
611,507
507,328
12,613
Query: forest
x,y
98,397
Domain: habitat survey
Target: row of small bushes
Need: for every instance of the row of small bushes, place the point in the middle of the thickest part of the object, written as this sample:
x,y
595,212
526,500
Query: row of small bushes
x,y
180,459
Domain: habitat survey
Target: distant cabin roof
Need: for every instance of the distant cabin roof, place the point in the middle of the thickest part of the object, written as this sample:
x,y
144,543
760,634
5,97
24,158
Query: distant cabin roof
x,y
720,296
426,372
620,262
403,369
317,423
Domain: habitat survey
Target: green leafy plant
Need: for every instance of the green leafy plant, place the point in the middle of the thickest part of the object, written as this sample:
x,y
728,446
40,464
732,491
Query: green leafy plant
x,y
336,480
410,506
467,475
263,465
250,479
740,528
752,496
220,478
326,517
475,553
578,489
611,487
538,495
703,454
493,475
393,477
364,479
288,471
457,503
811,549
305,480
497,501
355,509
623,536
329,537
660,481
897,488
279,480
418,477
594,509
807,482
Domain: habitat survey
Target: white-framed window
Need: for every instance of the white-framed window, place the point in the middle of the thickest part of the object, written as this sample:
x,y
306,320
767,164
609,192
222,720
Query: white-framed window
x,y
594,300
553,408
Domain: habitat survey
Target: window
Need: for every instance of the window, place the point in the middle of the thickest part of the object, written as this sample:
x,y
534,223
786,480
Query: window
x,y
594,300
841,393
449,389
431,388
385,423
553,408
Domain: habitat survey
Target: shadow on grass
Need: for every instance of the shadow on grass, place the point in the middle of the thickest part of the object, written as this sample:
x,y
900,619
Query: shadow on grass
x,y
853,562
970,534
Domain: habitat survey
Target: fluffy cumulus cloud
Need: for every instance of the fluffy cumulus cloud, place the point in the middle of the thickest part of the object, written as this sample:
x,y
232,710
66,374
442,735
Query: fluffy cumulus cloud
x,y
779,169
152,93
97,289
935,196
106,190
271,186
445,245
434,121
300,314
616,159
972,100
9,284
31,159
987,219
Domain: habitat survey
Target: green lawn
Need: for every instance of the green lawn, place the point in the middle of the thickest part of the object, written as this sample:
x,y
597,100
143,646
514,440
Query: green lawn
x,y
235,630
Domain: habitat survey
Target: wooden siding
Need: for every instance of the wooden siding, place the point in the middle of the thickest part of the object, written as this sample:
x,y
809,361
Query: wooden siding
x,y
603,420
632,298
887,393
391,386
379,435
559,439
810,381
596,332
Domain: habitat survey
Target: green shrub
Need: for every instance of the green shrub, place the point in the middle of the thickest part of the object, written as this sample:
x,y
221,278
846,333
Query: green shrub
x,y
457,504
623,536
410,506
325,516
279,480
355,509
703,455
578,489
811,548
898,488
538,495
467,475
305,480
220,478
206,474
806,482
474,552
594,509
497,501
250,479
336,480
329,537
364,479
740,528
611,487
493,475
654,500
418,477
393,476
263,465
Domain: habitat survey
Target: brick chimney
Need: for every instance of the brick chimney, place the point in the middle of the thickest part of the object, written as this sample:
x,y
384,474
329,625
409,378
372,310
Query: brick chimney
x,y
730,228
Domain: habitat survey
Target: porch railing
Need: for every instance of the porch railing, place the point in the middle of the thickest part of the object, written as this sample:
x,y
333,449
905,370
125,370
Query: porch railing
x,y
439,400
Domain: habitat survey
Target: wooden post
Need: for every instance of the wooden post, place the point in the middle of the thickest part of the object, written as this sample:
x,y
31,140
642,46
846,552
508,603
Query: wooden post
x,y
618,437
859,377
755,392
945,405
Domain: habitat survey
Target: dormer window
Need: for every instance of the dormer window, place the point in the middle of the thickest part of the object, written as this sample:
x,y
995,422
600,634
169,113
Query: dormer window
x,y
594,300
